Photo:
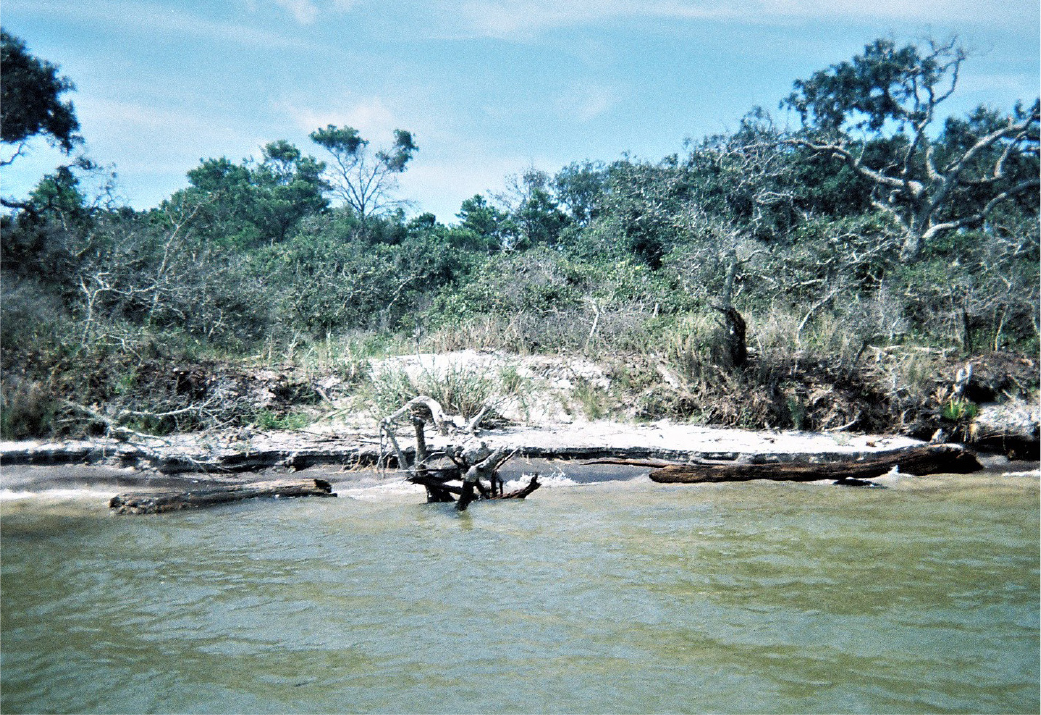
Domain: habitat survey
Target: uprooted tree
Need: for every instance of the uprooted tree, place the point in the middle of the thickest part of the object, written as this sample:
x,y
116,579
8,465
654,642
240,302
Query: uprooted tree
x,y
875,114
473,464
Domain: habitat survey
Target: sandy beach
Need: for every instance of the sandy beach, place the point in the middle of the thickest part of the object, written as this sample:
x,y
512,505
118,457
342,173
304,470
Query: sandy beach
x,y
110,466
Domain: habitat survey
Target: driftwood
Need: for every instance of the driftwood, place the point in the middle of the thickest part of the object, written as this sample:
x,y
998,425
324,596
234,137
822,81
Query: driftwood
x,y
471,464
214,495
435,483
928,459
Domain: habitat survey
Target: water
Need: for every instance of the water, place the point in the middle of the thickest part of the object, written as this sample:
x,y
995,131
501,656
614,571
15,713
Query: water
x,y
619,596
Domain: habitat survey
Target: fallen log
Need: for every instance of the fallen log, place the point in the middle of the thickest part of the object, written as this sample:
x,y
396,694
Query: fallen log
x,y
918,461
435,485
214,495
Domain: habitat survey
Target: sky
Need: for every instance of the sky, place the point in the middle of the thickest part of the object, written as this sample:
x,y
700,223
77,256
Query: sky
x,y
488,88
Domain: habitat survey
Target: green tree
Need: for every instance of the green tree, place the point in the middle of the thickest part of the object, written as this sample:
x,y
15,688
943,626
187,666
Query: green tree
x,y
290,186
252,203
31,105
365,180
644,201
746,179
483,219
534,213
30,100
58,197
579,188
891,96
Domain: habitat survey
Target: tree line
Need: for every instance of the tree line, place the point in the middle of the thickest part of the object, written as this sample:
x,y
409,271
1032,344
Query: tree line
x,y
876,221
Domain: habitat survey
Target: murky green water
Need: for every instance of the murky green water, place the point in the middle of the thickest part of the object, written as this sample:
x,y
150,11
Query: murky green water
x,y
608,597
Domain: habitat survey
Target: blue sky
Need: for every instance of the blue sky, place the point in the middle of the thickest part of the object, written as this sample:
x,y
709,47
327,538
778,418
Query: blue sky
x,y
488,88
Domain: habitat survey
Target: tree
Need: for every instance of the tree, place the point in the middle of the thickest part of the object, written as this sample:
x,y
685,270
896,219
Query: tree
x,y
891,96
251,203
291,187
477,215
535,217
30,100
747,179
643,201
363,179
58,197
580,189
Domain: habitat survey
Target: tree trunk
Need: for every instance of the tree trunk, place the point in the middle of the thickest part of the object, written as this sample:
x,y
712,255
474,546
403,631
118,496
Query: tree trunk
x,y
523,491
928,459
158,503
734,329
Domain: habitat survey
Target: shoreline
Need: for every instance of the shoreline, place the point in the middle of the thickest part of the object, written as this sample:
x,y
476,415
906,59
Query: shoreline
x,y
244,451
351,455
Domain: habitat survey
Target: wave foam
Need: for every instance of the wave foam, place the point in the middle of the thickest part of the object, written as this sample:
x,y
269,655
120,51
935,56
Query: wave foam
x,y
552,481
79,494
378,491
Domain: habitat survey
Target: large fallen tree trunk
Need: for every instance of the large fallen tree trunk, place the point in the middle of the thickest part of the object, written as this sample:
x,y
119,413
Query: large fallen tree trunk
x,y
214,495
927,459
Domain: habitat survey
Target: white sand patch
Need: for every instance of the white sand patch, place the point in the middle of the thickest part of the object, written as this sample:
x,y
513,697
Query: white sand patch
x,y
664,435
547,415
530,389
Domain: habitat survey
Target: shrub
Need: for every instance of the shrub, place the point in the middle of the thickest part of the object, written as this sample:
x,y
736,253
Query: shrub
x,y
459,391
27,409
957,410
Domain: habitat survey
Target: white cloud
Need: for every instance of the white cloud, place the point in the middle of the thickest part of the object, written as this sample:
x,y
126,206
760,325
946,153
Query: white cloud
x,y
585,102
148,18
370,116
145,138
935,11
151,147
522,19
441,184
304,11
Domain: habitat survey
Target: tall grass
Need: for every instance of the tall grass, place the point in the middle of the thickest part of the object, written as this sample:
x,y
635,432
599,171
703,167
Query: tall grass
x,y
459,391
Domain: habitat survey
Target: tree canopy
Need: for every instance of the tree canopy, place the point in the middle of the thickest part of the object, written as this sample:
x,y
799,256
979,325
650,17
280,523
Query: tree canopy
x,y
255,203
30,99
875,114
365,180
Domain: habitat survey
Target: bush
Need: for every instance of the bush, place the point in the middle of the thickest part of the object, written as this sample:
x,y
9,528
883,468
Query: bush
x,y
27,409
458,390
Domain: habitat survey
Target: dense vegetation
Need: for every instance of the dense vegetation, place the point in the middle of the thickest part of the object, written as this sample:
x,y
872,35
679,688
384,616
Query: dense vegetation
x,y
863,249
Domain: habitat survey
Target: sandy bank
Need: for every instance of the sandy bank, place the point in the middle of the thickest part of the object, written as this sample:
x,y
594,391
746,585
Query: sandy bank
x,y
243,450
235,454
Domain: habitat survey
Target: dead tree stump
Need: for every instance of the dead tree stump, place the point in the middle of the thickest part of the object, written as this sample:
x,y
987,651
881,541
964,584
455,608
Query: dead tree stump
x,y
472,464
